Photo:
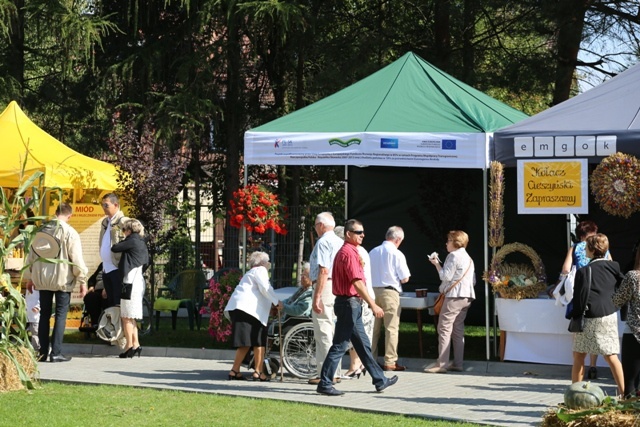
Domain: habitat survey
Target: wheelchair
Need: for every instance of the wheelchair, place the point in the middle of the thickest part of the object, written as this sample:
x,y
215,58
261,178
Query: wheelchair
x,y
298,348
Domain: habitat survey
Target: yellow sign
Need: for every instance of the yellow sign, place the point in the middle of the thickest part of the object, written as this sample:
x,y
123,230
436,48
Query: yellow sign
x,y
553,186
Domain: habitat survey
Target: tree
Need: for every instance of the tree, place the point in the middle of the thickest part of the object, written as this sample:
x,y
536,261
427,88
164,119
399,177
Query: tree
x,y
150,174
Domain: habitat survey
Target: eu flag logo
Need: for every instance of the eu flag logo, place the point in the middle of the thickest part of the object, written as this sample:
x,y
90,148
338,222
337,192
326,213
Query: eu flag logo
x,y
448,144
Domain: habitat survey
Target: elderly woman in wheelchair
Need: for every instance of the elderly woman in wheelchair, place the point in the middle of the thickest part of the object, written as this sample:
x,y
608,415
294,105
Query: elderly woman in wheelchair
x,y
294,334
298,304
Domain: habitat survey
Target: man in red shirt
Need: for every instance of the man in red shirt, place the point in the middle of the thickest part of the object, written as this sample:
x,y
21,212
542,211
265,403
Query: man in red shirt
x,y
351,292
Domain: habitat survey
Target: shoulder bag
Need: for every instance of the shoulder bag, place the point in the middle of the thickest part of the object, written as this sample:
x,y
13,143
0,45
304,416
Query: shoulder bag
x,y
576,324
437,305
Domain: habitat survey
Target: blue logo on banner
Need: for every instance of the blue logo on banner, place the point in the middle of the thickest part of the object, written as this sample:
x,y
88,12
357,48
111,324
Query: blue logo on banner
x,y
448,144
388,143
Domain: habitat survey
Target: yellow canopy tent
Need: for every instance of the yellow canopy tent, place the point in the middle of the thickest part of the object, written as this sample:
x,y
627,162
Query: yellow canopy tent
x,y
62,166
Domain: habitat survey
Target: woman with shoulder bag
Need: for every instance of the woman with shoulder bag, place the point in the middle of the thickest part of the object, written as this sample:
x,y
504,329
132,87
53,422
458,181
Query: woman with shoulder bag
x,y
592,298
458,279
577,256
135,257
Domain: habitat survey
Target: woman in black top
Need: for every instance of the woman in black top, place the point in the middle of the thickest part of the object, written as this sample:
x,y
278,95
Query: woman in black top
x,y
134,260
600,334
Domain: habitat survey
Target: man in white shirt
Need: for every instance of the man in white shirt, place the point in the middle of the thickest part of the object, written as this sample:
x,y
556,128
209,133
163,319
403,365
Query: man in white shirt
x,y
321,261
110,234
389,271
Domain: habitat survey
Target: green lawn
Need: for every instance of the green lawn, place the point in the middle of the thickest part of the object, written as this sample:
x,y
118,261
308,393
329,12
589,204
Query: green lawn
x,y
475,347
62,405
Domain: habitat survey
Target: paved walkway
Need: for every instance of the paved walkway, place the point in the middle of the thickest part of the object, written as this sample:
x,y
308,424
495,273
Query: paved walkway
x,y
491,393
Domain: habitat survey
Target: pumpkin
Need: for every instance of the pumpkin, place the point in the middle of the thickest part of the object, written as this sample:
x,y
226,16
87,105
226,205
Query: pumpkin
x,y
583,395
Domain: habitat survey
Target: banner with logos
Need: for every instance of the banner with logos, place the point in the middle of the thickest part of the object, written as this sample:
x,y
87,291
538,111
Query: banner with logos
x,y
424,150
553,186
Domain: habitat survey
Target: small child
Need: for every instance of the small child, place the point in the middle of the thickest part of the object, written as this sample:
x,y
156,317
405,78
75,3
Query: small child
x,y
33,317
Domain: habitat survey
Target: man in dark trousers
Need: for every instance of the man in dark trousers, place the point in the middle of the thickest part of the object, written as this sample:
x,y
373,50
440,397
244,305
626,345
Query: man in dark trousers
x,y
56,240
351,292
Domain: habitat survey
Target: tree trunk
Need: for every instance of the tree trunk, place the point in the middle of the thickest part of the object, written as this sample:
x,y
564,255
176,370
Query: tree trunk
x,y
233,113
16,49
441,24
468,33
570,16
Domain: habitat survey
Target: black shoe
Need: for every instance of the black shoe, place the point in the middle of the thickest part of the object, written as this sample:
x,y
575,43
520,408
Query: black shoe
x,y
127,353
390,381
593,373
331,391
59,358
136,352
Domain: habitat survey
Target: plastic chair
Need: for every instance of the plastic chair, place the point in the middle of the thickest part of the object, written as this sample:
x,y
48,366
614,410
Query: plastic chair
x,y
188,287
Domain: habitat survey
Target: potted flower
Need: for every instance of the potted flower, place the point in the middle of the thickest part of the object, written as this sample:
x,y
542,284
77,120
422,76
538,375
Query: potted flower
x,y
257,210
216,299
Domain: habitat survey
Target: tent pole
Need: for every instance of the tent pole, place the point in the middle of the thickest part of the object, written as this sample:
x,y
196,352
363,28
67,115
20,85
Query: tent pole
x,y
485,199
346,192
486,257
243,267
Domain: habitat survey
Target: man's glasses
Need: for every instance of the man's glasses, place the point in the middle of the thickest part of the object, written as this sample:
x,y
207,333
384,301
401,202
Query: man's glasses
x,y
358,232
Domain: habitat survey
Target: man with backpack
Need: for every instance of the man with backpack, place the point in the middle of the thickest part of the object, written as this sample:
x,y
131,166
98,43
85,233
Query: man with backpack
x,y
55,266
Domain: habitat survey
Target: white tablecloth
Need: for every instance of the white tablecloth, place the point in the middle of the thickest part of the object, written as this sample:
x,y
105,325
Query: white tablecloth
x,y
410,301
537,331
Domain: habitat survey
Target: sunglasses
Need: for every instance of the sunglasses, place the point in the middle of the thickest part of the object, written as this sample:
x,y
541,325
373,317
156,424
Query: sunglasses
x,y
358,232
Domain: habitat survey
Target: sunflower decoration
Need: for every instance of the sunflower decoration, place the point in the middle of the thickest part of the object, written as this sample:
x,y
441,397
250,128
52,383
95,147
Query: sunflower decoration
x,y
615,184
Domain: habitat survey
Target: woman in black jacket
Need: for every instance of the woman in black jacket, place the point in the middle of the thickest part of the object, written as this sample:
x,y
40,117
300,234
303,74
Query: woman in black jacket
x,y
135,258
600,334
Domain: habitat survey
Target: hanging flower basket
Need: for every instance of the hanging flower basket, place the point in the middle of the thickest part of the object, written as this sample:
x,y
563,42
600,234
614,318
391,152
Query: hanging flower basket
x,y
615,185
257,209
516,281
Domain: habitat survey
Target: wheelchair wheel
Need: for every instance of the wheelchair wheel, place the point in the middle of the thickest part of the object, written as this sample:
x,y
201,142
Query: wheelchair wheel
x,y
274,367
144,325
299,351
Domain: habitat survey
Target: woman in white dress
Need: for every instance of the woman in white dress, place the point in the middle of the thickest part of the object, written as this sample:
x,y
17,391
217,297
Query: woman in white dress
x,y
134,260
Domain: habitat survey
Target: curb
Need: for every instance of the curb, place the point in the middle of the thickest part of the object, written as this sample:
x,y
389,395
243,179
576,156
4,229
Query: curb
x,y
471,367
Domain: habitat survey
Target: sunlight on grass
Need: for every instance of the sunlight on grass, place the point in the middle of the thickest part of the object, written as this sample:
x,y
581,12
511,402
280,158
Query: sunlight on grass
x,y
79,405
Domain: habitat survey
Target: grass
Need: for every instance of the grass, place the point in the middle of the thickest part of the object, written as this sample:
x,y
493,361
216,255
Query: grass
x,y
81,405
475,346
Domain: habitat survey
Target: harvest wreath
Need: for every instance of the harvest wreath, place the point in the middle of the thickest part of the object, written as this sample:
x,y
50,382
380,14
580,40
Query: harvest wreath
x,y
516,281
615,184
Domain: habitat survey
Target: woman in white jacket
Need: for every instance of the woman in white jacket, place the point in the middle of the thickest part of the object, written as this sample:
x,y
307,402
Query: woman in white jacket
x,y
248,308
458,279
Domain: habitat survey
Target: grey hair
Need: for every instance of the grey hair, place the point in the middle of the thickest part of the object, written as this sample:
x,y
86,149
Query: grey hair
x,y
326,218
394,232
339,230
306,267
134,226
258,258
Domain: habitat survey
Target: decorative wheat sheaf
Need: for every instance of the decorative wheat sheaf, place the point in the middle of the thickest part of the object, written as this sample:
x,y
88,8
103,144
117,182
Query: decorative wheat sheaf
x,y
496,205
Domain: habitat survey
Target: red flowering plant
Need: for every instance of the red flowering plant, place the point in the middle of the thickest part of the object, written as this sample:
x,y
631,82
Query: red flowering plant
x,y
257,209
216,299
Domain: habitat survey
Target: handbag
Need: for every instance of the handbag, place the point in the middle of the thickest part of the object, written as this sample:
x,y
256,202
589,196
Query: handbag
x,y
126,290
576,324
437,305
127,287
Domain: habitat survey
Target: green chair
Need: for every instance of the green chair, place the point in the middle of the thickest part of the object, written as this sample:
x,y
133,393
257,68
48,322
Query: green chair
x,y
186,289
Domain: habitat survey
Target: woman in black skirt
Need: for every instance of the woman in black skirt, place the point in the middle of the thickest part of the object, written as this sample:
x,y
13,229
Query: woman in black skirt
x,y
248,309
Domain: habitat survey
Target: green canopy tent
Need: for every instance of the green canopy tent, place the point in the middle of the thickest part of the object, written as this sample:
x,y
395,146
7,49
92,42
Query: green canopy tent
x,y
409,113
